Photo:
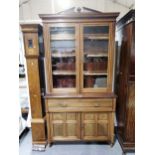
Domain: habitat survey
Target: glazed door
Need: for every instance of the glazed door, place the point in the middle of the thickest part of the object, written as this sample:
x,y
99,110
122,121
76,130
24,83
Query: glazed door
x,y
96,53
65,126
63,57
95,126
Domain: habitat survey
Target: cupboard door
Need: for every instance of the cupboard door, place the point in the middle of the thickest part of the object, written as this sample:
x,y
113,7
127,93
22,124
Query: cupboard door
x,y
95,50
65,126
64,57
95,126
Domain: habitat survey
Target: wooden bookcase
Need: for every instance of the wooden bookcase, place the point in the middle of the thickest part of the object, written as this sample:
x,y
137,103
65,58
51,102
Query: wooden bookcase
x,y
79,46
79,63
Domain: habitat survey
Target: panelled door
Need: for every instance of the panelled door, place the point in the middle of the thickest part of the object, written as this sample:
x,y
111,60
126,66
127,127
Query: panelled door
x,y
65,126
95,126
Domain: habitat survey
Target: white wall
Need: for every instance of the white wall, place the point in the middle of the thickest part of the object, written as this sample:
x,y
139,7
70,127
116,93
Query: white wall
x,y
29,11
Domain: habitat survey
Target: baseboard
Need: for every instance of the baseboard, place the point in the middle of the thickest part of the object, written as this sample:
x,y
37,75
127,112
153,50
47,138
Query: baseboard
x,y
126,146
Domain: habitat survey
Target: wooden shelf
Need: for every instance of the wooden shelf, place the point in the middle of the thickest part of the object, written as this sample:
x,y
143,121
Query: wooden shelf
x,y
96,54
64,55
62,37
95,73
96,36
64,72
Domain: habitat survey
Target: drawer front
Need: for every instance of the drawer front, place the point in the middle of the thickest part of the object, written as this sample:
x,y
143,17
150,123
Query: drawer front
x,y
80,104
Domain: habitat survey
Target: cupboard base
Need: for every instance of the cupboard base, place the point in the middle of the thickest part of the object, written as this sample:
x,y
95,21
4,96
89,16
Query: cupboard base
x,y
85,119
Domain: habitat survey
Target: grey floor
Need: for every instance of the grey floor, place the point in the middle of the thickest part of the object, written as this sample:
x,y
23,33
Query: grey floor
x,y
25,148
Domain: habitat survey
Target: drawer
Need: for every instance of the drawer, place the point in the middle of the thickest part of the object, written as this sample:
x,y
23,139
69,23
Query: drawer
x,y
80,104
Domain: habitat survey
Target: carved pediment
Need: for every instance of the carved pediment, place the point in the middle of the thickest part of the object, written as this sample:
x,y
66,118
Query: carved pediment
x,y
79,10
79,13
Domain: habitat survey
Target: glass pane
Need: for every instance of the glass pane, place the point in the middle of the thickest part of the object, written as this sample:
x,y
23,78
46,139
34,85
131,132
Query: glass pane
x,y
63,56
97,29
30,43
95,54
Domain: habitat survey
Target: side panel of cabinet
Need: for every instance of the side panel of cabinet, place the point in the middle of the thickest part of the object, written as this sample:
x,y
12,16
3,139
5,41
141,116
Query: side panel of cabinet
x,y
65,126
34,87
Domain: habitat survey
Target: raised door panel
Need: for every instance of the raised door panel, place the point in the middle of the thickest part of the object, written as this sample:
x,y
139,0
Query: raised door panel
x,y
102,125
58,130
73,125
89,125
102,129
58,125
65,126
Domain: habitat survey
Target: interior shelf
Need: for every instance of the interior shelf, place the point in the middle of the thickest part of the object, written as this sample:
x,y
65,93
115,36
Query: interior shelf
x,y
95,73
62,37
63,54
96,54
96,36
64,72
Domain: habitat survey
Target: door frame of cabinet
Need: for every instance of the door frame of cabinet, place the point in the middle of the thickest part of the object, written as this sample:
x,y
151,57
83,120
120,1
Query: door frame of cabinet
x,y
48,64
